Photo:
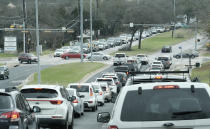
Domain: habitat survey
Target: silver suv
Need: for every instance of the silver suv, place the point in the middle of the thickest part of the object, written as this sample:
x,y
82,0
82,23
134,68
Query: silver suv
x,y
57,110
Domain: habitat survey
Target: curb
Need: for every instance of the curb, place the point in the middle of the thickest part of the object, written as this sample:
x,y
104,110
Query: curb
x,y
89,75
28,79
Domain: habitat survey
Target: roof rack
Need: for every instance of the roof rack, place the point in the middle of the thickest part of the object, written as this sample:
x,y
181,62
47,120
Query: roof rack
x,y
159,72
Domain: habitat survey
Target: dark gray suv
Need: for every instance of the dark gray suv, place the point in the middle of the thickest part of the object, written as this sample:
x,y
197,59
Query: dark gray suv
x,y
4,72
15,112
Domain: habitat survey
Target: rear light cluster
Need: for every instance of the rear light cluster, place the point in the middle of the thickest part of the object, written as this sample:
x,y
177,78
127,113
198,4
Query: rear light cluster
x,y
11,115
113,127
91,92
75,101
100,93
56,102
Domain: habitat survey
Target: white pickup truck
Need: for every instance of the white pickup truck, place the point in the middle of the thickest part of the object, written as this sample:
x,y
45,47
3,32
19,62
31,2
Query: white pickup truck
x,y
119,59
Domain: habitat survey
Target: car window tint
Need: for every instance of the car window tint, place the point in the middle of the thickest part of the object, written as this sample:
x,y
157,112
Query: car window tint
x,y
167,104
39,93
80,88
5,101
25,103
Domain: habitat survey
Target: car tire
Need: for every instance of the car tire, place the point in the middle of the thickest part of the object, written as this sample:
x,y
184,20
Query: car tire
x,y
93,109
192,56
177,56
105,58
66,57
8,77
3,77
72,123
29,61
21,62
66,125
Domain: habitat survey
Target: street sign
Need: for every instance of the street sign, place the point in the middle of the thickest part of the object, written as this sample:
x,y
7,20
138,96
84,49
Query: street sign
x,y
131,25
10,44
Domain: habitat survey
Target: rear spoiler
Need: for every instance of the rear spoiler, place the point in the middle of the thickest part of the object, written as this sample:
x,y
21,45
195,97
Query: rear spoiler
x,y
160,72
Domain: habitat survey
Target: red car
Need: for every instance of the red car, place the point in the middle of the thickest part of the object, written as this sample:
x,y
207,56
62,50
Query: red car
x,y
71,55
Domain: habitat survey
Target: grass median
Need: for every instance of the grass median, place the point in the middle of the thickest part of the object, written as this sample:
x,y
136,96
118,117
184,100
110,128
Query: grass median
x,y
66,73
5,55
203,73
153,44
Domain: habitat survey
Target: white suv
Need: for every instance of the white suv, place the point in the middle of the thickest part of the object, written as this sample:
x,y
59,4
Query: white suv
x,y
99,92
119,59
54,102
90,97
174,105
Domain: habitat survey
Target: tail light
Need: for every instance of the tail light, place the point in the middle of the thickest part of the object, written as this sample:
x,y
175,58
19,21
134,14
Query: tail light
x,y
117,83
90,101
75,101
91,92
56,102
100,93
12,115
113,127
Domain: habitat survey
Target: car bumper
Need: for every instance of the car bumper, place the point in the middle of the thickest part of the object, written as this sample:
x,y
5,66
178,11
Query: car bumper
x,y
89,105
48,122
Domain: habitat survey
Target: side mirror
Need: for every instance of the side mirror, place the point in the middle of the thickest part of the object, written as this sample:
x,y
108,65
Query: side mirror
x,y
71,98
197,64
103,117
82,96
36,109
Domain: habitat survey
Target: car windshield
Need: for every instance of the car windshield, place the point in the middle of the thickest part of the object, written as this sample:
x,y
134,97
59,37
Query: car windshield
x,y
5,102
80,88
165,105
39,93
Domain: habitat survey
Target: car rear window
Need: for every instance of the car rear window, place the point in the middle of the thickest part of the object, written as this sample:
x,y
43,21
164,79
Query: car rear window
x,y
166,104
80,88
5,101
119,55
39,93
163,58
109,81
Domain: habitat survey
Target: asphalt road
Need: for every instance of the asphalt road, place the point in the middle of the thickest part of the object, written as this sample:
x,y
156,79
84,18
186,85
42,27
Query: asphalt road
x,y
19,74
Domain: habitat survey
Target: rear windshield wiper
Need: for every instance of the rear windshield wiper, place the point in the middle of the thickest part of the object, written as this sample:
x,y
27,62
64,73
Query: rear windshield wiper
x,y
186,112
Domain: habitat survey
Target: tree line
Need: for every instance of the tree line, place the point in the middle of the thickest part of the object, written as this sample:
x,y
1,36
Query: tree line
x,y
109,16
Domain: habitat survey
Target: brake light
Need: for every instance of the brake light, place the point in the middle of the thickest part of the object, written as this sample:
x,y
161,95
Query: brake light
x,y
75,101
38,88
100,93
113,127
166,87
90,101
12,115
91,92
158,77
117,83
58,102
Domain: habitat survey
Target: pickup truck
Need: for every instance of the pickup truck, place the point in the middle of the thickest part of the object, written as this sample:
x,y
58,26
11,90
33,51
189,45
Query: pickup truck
x,y
119,59
166,60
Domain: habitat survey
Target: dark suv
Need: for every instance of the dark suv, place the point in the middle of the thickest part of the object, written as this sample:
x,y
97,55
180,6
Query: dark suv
x,y
15,112
4,72
166,49
27,57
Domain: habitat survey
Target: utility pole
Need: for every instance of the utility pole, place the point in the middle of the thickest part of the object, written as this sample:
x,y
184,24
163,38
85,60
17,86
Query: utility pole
x,y
37,40
196,33
24,26
81,29
91,28
173,31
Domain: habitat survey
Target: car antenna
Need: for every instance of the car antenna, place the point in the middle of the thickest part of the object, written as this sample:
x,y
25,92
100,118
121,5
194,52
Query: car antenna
x,y
192,88
139,90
